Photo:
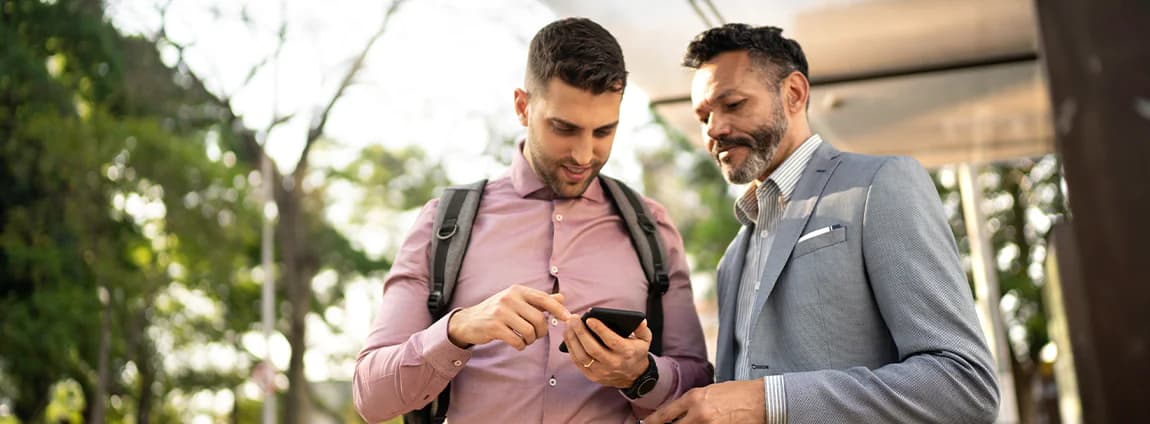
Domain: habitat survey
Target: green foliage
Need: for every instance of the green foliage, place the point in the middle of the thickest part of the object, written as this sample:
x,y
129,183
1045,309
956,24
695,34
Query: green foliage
x,y
699,200
111,209
92,204
67,403
393,179
1022,196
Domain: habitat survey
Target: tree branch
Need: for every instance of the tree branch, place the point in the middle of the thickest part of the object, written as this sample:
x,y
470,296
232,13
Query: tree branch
x,y
282,35
317,129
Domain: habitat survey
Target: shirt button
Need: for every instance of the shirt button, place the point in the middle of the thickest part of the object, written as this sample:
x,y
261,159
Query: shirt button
x,y
554,270
763,234
457,363
559,217
554,322
552,382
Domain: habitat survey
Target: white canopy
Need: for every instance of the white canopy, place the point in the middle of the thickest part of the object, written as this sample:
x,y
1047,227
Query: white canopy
x,y
942,81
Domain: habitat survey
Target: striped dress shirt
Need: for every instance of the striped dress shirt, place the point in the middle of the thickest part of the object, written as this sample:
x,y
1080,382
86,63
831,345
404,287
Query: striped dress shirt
x,y
760,209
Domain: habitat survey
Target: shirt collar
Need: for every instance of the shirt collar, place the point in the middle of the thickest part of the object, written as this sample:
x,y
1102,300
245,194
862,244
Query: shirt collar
x,y
528,184
784,178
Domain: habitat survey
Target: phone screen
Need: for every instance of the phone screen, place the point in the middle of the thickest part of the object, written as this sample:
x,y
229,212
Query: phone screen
x,y
623,322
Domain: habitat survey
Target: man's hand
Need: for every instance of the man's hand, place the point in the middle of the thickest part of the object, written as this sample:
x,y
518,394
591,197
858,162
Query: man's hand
x,y
617,362
730,402
514,315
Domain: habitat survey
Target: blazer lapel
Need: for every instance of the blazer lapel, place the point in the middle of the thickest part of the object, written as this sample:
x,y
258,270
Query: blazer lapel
x,y
803,200
729,274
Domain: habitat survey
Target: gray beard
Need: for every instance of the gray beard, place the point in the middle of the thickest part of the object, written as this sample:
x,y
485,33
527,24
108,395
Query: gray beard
x,y
765,141
752,168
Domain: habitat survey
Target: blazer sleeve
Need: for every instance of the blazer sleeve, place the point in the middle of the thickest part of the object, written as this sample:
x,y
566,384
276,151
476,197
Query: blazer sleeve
x,y
944,372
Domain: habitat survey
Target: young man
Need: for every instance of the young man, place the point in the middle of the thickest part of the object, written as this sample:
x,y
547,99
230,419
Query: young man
x,y
546,242
842,299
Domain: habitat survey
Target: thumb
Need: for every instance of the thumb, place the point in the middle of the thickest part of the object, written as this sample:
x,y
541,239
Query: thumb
x,y
643,332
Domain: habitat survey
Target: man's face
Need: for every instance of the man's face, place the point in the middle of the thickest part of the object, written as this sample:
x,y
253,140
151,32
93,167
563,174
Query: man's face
x,y
569,134
742,116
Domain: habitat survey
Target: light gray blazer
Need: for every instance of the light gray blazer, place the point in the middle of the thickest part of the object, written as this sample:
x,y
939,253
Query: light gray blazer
x,y
872,321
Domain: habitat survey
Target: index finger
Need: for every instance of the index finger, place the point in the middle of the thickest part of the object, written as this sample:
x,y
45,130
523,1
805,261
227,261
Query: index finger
x,y
672,410
546,302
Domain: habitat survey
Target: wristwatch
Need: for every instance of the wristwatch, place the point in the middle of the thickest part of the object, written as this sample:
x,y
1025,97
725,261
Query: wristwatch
x,y
646,381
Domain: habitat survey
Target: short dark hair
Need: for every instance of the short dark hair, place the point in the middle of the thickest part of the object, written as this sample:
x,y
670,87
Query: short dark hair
x,y
581,53
765,45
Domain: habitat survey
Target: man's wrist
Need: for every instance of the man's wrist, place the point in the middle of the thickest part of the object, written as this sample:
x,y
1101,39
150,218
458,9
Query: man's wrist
x,y
637,371
645,382
451,336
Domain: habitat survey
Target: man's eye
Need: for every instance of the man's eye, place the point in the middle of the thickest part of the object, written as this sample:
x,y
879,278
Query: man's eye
x,y
735,105
602,133
564,130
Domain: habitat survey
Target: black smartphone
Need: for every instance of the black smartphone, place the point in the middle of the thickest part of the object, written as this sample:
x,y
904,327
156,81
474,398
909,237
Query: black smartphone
x,y
623,322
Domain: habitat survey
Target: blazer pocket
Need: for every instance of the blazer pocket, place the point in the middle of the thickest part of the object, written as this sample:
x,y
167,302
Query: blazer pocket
x,y
835,235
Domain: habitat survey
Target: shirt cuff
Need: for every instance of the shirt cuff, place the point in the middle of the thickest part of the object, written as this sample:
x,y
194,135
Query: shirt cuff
x,y
438,351
775,398
668,380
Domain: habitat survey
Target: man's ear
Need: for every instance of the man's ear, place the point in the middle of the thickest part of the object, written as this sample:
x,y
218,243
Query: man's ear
x,y
798,90
521,100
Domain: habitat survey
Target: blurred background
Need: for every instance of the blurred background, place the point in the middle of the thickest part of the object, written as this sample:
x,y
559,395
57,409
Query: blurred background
x,y
169,167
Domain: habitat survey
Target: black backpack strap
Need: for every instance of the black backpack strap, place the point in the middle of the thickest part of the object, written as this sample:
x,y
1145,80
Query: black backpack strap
x,y
450,235
649,245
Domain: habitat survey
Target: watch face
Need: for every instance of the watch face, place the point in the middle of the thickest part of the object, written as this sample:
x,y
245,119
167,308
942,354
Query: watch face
x,y
646,386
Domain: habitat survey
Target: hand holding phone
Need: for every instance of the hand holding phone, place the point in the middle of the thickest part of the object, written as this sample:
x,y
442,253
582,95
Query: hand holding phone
x,y
623,322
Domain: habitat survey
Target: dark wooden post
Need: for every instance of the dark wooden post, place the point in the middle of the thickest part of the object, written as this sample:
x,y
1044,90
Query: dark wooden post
x,y
1097,57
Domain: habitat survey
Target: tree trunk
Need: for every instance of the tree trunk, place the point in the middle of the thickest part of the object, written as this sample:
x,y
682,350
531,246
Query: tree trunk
x,y
146,366
300,266
100,398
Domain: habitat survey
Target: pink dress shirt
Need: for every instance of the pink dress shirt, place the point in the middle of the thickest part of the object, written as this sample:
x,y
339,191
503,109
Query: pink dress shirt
x,y
523,235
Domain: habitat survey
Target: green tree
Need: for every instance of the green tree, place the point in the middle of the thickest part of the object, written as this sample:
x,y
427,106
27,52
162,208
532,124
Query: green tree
x,y
1022,198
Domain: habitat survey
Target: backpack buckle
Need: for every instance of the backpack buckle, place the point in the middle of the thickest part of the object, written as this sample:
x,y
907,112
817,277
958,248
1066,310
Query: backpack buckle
x,y
646,224
435,300
662,283
445,233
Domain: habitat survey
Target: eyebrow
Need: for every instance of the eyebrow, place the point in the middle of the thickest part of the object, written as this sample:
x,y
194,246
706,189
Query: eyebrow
x,y
572,124
726,93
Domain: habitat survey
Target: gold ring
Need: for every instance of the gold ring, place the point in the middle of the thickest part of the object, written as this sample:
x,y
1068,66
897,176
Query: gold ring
x,y
589,363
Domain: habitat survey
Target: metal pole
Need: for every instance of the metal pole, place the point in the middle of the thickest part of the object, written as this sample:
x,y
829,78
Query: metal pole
x,y
986,289
267,248
267,252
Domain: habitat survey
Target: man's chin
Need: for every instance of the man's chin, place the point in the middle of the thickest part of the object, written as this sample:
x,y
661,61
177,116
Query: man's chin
x,y
736,175
567,189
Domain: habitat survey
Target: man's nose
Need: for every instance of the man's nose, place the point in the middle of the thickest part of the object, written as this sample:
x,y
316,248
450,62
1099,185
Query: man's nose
x,y
716,129
583,151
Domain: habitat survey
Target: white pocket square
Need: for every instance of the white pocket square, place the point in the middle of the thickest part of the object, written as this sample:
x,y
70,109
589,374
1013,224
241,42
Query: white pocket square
x,y
819,232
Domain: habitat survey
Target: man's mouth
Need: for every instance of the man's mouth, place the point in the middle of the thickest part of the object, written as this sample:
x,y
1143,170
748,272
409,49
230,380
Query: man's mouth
x,y
723,147
722,153
575,173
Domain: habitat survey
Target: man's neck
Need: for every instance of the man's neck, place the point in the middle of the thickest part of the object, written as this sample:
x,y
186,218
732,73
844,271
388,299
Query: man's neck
x,y
791,142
